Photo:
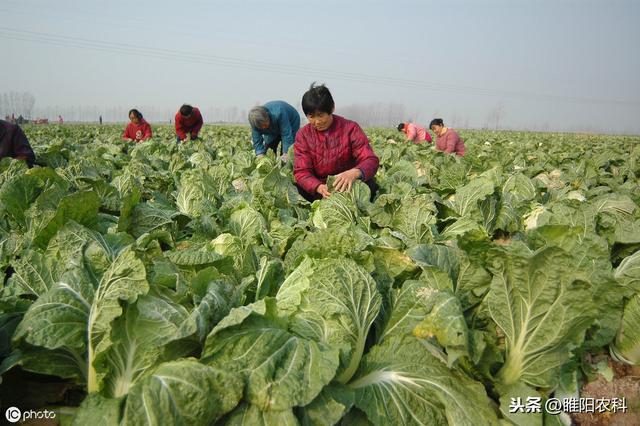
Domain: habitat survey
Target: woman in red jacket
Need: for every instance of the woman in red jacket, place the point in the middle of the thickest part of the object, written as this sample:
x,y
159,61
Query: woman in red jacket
x,y
138,129
330,145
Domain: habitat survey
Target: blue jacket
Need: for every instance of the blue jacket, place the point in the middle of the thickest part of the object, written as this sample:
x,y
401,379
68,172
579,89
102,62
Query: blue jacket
x,y
283,125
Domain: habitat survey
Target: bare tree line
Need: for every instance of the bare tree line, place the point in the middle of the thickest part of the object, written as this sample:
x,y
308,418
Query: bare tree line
x,y
390,114
373,114
377,114
17,103
494,116
151,113
368,115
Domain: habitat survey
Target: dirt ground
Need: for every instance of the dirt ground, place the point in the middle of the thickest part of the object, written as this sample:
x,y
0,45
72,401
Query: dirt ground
x,y
625,383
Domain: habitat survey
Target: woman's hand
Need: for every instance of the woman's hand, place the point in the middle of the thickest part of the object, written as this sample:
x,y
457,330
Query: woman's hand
x,y
344,180
323,190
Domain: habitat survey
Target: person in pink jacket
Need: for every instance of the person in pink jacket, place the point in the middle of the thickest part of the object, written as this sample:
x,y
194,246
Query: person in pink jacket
x,y
447,140
414,133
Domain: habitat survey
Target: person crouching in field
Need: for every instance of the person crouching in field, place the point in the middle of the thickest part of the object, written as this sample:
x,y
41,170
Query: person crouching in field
x,y
14,143
330,145
272,123
414,133
188,122
447,139
138,129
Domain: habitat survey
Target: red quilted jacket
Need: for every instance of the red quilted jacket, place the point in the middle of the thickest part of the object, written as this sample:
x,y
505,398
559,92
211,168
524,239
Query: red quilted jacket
x,y
191,125
341,147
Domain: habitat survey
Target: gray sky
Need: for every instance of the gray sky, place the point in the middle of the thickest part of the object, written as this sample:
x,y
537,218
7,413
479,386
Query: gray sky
x,y
539,64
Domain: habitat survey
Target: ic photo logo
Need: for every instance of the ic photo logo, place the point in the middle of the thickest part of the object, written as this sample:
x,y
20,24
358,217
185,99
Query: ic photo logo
x,y
13,414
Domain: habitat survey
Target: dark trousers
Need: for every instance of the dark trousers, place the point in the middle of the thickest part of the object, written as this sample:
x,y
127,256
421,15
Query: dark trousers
x,y
272,142
371,183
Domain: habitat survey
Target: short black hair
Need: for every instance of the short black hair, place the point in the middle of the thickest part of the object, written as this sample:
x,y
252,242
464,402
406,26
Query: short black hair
x,y
186,110
317,99
400,127
436,122
135,112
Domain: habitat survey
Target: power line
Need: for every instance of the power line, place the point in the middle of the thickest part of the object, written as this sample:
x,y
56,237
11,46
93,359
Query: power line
x,y
130,22
262,66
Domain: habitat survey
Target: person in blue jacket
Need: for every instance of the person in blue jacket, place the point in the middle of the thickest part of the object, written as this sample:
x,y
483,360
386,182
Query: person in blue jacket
x,y
272,123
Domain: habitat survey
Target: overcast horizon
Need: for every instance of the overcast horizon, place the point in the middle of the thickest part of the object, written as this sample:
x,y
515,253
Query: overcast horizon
x,y
564,65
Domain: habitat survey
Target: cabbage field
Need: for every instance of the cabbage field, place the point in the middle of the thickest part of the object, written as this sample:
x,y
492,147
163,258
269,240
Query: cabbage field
x,y
190,284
